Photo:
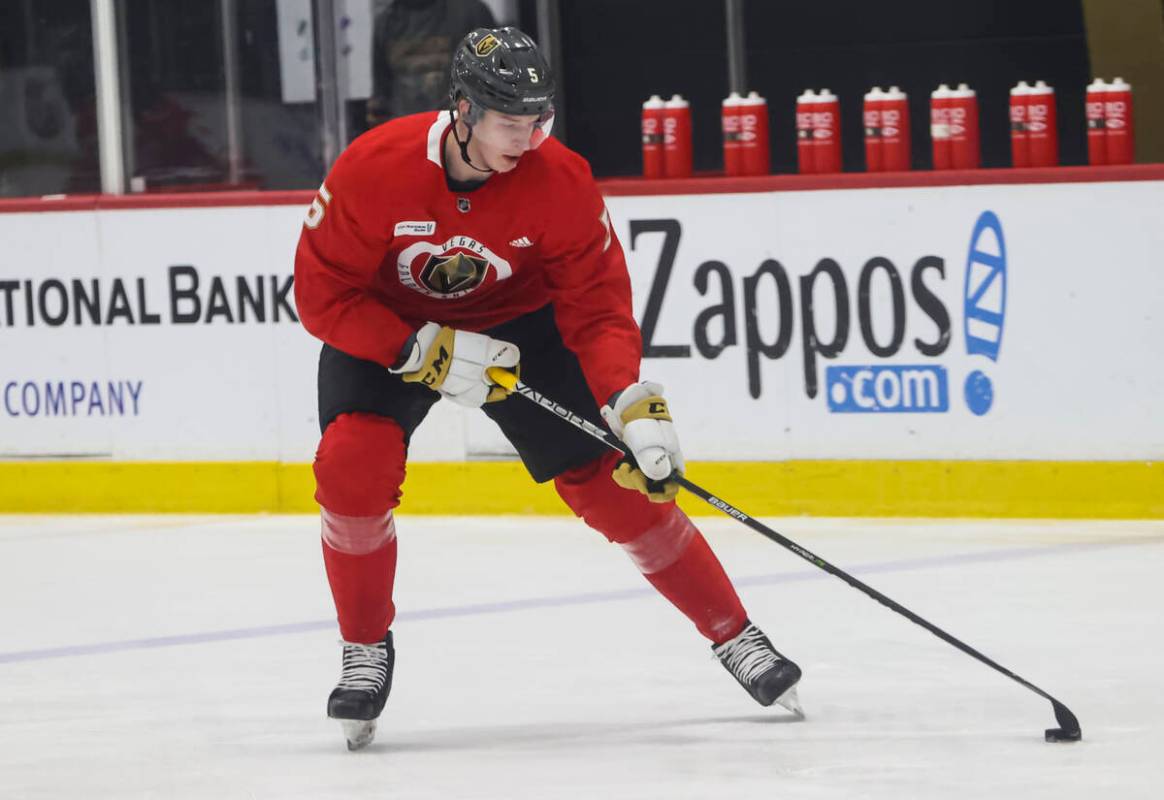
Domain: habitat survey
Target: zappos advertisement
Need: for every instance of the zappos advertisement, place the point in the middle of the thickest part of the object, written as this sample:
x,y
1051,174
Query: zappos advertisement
x,y
948,323
980,322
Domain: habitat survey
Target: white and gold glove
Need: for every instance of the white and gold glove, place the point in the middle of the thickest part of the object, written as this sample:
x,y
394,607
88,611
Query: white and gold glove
x,y
638,415
453,363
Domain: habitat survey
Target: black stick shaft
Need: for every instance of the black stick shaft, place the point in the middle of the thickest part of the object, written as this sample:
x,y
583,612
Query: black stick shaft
x,y
817,561
1065,717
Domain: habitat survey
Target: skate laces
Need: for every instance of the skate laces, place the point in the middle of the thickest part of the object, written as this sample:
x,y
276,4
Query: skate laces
x,y
749,655
365,667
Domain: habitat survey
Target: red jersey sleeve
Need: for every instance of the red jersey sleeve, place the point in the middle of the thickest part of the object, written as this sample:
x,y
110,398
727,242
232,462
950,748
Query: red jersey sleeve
x,y
590,287
336,264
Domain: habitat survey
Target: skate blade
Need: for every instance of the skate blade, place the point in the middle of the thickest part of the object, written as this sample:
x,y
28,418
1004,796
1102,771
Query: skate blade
x,y
791,701
358,732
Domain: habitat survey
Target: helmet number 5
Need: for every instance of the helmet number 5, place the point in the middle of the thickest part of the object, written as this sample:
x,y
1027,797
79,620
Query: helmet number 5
x,y
533,74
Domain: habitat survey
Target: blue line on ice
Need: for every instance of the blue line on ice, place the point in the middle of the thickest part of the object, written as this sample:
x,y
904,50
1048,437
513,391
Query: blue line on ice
x,y
525,604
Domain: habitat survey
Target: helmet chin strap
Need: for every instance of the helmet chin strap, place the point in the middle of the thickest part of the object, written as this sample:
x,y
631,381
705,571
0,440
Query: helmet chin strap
x,y
464,146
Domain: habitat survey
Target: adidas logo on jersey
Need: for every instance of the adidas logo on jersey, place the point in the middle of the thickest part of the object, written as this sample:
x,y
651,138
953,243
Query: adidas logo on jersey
x,y
521,241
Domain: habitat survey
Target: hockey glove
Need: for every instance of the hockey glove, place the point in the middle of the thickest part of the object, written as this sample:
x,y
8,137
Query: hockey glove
x,y
453,363
638,415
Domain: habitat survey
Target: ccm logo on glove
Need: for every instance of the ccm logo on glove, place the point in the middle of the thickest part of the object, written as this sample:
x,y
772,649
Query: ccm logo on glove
x,y
453,363
638,415
435,377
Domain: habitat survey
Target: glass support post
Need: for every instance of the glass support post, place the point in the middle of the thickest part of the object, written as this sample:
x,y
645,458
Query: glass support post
x,y
108,83
737,57
231,80
332,127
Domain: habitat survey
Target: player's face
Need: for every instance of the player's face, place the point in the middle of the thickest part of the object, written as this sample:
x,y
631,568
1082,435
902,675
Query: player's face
x,y
502,139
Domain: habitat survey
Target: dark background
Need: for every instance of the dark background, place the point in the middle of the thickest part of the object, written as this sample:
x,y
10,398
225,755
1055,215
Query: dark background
x,y
612,55
617,53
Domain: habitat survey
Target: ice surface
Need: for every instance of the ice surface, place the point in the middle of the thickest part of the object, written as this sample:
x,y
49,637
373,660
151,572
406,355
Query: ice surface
x,y
191,657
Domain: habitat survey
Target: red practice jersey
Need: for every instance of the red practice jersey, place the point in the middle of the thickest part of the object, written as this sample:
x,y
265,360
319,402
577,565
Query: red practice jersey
x,y
388,246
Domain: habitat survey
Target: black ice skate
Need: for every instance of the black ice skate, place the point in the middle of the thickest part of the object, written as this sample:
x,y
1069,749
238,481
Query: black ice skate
x,y
359,697
768,676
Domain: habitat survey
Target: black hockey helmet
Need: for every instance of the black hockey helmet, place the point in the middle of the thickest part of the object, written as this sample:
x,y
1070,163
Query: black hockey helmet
x,y
502,69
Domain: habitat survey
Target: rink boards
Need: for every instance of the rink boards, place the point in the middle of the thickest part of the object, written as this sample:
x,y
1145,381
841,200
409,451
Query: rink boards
x,y
970,350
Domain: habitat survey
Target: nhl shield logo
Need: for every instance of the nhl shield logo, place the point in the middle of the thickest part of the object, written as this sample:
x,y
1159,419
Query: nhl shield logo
x,y
463,205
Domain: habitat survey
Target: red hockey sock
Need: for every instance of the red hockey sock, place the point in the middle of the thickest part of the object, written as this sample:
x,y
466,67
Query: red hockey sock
x,y
361,586
697,585
662,542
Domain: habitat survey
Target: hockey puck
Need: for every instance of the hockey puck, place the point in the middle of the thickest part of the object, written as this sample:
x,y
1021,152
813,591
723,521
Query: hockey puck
x,y
1061,735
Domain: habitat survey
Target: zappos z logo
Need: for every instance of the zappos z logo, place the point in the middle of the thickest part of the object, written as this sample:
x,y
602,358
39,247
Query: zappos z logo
x,y
865,388
984,296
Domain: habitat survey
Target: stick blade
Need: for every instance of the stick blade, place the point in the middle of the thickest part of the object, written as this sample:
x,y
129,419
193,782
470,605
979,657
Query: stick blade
x,y
1068,730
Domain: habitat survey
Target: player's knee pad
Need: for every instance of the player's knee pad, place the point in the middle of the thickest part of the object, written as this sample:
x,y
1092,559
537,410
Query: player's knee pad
x,y
619,514
359,468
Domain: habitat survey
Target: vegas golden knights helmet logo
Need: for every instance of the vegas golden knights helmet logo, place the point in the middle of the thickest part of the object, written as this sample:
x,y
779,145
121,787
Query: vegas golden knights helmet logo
x,y
486,46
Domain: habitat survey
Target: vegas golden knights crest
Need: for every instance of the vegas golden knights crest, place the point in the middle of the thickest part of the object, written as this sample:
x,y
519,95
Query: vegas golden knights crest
x,y
450,269
487,45
458,272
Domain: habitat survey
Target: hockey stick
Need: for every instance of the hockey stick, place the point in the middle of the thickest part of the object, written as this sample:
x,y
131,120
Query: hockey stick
x,y
1068,730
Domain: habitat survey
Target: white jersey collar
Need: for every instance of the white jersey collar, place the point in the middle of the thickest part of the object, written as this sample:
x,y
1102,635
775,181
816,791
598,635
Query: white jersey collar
x,y
436,136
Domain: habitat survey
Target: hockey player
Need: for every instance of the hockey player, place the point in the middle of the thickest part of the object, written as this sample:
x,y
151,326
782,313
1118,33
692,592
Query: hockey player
x,y
445,243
